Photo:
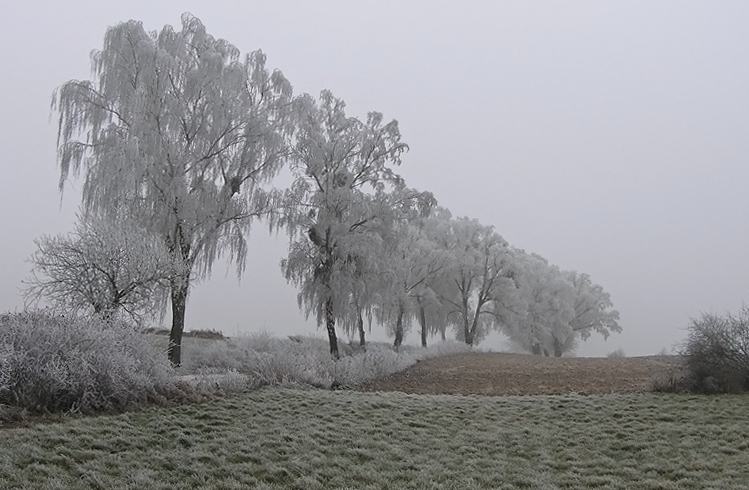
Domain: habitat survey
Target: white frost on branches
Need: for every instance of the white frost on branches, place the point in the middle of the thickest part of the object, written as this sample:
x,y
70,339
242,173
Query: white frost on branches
x,y
341,206
103,267
185,132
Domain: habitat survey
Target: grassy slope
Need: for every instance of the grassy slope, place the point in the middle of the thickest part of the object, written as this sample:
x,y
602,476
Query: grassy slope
x,y
314,439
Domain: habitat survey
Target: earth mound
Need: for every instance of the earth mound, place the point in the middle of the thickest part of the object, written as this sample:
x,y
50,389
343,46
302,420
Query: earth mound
x,y
488,373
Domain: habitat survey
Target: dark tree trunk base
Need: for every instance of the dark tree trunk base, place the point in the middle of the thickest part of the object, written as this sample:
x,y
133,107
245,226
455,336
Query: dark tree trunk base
x,y
398,331
362,337
557,348
423,322
179,304
330,326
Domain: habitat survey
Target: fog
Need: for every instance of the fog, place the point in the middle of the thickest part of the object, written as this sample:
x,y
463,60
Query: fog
x,y
610,138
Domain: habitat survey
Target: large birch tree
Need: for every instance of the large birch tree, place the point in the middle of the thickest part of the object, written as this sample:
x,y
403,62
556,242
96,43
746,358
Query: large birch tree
x,y
184,131
341,205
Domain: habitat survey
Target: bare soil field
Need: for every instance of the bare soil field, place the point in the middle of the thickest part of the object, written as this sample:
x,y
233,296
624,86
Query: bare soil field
x,y
482,373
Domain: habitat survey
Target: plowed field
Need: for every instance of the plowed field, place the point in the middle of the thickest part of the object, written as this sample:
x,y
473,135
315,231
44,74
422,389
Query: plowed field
x,y
483,373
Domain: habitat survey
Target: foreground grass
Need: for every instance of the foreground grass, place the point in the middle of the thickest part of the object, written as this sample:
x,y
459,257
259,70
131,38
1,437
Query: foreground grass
x,y
313,439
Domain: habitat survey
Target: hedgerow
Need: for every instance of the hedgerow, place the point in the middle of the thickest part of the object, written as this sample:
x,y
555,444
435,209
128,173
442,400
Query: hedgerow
x,y
51,364
267,360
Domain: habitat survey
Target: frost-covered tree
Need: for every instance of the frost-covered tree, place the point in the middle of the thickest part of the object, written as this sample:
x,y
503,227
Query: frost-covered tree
x,y
479,282
547,299
185,131
367,286
593,312
341,204
433,313
560,308
103,267
413,263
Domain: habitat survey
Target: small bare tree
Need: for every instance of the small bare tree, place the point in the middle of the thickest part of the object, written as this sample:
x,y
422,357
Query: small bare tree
x,y
102,267
716,352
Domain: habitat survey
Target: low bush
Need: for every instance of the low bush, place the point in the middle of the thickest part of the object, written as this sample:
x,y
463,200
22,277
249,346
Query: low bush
x,y
439,349
210,382
664,352
716,353
301,360
617,354
54,363
205,334
675,380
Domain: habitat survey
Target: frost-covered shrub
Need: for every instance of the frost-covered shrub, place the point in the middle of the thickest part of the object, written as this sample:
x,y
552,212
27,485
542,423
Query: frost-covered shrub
x,y
716,353
209,334
53,364
302,360
675,380
617,354
210,382
211,356
267,360
372,364
440,349
6,355
380,361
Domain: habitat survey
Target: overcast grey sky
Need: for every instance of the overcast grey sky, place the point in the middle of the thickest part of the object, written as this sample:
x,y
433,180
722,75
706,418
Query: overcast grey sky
x,y
609,137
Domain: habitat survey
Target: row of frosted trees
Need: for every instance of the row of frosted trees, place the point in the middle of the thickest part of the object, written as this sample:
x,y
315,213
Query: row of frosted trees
x,y
420,266
179,139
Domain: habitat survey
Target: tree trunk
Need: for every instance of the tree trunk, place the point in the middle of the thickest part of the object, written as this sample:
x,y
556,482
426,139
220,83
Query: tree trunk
x,y
466,329
469,336
557,348
423,323
536,349
443,331
180,287
106,314
330,325
362,339
399,330
471,332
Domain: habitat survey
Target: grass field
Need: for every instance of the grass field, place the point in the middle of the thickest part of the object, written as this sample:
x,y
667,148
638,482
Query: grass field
x,y
316,439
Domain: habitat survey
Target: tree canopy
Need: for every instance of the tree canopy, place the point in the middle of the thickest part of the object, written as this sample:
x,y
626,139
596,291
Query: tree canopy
x,y
558,308
182,135
183,131
479,283
341,205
